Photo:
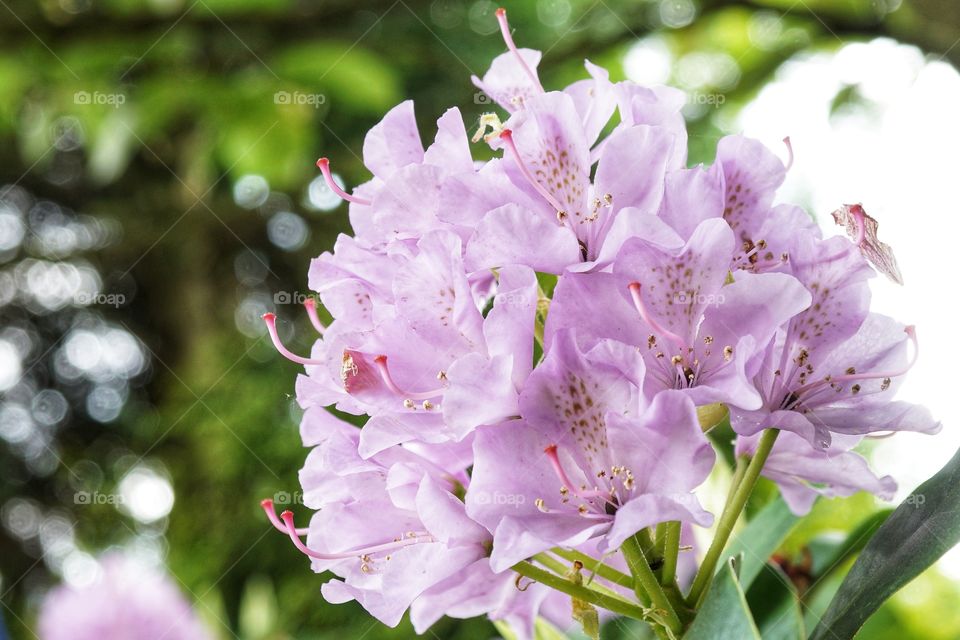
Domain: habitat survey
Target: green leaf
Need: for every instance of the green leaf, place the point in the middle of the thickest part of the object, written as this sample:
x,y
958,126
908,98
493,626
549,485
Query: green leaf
x,y
920,530
761,537
834,556
775,605
724,614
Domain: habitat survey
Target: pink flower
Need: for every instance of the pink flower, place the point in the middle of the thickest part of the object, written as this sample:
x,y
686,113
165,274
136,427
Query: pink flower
x,y
126,600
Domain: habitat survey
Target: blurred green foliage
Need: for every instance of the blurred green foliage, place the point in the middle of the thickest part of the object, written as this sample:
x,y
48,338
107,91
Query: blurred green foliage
x,y
173,102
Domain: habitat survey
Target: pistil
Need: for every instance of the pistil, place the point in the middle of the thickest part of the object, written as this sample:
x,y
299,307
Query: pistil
x,y
271,321
508,39
507,136
324,165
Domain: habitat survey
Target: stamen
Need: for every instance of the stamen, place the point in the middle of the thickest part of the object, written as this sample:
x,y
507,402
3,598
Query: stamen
x,y
275,521
508,39
554,458
271,320
381,362
886,376
507,136
410,539
653,324
789,163
311,306
324,166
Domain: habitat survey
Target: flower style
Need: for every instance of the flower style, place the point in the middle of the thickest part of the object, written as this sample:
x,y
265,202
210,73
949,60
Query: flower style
x,y
531,342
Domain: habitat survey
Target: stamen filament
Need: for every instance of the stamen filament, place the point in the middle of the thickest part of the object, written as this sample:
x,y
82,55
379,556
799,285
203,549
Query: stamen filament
x,y
324,165
651,322
275,521
311,306
381,362
271,320
507,136
789,163
508,39
554,458
291,529
882,375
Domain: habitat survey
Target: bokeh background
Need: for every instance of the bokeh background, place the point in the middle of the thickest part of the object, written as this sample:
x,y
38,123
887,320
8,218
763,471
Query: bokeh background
x,y
158,194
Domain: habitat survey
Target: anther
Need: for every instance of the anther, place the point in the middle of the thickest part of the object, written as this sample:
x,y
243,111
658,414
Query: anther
x,y
324,165
885,376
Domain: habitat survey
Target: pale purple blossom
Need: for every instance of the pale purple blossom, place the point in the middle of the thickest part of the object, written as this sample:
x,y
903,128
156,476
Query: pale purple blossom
x,y
126,599
528,340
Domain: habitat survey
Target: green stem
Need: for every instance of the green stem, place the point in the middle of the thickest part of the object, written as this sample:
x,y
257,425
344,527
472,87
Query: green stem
x,y
731,513
552,563
564,585
593,565
671,551
660,546
646,585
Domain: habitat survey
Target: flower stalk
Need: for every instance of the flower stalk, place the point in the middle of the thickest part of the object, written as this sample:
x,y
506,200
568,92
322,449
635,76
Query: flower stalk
x,y
646,584
731,513
613,604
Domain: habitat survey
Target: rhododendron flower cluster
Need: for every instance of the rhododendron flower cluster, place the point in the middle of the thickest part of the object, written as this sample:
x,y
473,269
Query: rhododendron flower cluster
x,y
540,343
126,600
